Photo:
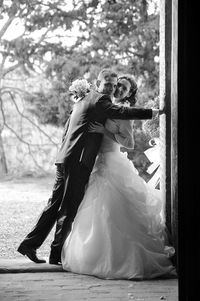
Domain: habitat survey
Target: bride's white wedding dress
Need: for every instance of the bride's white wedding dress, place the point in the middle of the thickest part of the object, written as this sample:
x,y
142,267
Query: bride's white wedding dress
x,y
119,227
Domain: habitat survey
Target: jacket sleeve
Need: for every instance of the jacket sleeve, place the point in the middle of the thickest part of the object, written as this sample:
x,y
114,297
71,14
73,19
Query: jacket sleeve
x,y
66,128
112,111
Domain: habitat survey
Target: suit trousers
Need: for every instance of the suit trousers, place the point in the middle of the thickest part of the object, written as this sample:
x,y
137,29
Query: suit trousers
x,y
68,192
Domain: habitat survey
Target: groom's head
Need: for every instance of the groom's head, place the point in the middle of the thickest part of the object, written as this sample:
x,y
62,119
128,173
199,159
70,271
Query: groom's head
x,y
106,82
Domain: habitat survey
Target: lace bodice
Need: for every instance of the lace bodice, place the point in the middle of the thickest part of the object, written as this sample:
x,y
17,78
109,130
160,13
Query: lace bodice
x,y
123,133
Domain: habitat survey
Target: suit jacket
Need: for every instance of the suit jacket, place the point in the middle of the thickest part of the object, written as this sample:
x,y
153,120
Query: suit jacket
x,y
80,146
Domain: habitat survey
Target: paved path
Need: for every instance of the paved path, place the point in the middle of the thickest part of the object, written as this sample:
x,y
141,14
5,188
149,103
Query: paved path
x,y
21,280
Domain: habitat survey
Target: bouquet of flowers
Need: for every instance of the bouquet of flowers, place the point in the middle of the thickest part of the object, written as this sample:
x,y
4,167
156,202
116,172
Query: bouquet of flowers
x,y
79,87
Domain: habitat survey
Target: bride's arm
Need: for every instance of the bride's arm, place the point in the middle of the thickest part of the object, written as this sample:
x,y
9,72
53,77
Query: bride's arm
x,y
125,135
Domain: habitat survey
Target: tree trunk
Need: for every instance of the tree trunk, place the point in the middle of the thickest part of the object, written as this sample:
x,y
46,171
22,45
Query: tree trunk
x,y
3,164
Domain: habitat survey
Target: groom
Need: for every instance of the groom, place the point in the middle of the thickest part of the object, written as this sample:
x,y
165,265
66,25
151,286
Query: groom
x,y
75,161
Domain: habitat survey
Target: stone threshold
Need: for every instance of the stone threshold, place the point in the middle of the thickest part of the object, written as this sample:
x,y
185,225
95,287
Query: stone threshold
x,y
24,265
27,266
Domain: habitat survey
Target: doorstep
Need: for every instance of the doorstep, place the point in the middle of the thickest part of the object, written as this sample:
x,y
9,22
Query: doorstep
x,y
27,266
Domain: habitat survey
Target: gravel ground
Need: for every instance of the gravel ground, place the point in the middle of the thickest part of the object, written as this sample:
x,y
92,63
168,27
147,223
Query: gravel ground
x,y
21,202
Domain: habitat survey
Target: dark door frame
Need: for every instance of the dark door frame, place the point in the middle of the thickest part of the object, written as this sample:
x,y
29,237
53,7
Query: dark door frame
x,y
168,123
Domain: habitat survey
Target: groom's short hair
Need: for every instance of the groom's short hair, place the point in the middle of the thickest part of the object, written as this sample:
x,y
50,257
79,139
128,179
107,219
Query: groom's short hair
x,y
106,70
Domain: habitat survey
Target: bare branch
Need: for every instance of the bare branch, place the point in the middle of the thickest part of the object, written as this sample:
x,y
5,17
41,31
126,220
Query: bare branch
x,y
2,65
6,25
27,118
6,89
67,14
20,139
34,160
43,36
10,69
2,124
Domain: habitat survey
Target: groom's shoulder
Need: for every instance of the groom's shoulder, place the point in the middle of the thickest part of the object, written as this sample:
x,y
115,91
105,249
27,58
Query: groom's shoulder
x,y
102,97
95,95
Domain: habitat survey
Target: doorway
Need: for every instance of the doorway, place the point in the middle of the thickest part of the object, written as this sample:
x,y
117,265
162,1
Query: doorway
x,y
168,122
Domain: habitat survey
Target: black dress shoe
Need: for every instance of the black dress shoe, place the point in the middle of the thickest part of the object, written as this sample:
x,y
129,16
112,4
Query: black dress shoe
x,y
30,253
54,261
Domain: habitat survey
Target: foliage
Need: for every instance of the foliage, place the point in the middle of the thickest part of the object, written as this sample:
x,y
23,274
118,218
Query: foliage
x,y
30,146
26,53
60,41
117,34
151,126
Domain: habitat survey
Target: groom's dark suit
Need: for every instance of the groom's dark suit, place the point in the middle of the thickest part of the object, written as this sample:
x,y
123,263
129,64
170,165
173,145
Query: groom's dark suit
x,y
75,161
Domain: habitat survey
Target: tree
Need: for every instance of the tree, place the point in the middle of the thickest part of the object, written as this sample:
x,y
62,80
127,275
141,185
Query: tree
x,y
27,52
114,33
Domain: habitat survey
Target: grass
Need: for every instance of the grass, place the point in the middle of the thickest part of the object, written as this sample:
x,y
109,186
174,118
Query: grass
x,y
21,202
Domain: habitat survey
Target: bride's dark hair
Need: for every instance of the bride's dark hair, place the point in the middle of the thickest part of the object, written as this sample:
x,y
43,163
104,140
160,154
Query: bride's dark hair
x,y
132,98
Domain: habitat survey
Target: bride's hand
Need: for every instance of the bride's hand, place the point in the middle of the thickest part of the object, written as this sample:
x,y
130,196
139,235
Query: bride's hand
x,y
96,127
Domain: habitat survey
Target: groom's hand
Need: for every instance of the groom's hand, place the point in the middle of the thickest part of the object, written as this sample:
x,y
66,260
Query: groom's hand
x,y
96,127
157,112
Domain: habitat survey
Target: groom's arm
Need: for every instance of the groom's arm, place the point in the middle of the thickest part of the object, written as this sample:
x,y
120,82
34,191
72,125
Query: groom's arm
x,y
112,111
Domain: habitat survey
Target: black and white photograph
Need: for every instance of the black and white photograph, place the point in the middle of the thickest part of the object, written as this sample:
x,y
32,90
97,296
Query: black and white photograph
x,y
93,204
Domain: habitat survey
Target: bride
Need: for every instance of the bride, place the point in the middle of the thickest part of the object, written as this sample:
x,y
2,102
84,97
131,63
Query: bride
x,y
119,230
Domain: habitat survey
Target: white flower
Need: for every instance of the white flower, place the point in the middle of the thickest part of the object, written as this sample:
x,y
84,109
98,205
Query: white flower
x,y
126,104
79,87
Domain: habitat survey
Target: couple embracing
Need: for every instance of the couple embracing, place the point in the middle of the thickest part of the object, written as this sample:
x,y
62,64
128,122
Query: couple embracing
x,y
108,221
